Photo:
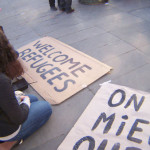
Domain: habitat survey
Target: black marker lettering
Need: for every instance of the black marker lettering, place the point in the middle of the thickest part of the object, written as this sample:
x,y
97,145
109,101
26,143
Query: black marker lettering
x,y
51,72
26,51
45,53
134,98
59,52
65,86
116,146
123,95
71,62
57,77
34,58
60,58
84,139
110,120
29,56
41,69
103,145
35,64
133,148
45,48
37,45
121,127
135,128
80,69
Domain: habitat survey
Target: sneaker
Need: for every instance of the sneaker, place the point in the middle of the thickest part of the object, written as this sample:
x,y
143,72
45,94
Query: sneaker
x,y
53,8
70,11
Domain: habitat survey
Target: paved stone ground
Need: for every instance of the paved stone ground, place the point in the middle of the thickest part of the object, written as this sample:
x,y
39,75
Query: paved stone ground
x,y
117,34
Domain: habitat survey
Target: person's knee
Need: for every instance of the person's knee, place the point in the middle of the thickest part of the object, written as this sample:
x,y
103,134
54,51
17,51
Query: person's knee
x,y
46,108
42,109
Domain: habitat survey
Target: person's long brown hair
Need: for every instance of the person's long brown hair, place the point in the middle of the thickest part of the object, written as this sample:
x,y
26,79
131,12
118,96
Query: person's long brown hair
x,y
9,64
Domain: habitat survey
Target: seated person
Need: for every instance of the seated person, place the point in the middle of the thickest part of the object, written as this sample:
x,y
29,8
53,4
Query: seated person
x,y
18,120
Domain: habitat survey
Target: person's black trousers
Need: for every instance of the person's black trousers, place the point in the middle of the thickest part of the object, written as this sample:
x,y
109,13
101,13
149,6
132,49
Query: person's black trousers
x,y
65,4
52,3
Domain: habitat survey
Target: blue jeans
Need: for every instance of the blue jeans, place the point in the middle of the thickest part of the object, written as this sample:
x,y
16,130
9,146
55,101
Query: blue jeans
x,y
39,113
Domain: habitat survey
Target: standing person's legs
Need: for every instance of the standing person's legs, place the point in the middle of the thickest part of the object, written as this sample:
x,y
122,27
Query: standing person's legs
x,y
68,6
62,5
52,5
39,113
59,4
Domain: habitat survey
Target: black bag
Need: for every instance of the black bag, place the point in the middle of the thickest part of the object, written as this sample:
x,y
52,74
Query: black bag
x,y
20,84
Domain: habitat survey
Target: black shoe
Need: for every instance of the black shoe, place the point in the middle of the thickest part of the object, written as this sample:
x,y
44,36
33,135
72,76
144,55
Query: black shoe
x,y
53,8
70,11
62,9
20,84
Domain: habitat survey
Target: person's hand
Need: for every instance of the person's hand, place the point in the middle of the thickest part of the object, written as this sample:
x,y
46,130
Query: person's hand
x,y
25,100
22,97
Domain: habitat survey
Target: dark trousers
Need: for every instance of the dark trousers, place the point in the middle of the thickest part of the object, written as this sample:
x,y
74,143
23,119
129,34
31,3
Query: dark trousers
x,y
65,4
52,3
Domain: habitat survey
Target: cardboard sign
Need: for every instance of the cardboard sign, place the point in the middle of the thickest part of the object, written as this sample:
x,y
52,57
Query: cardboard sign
x,y
117,118
57,71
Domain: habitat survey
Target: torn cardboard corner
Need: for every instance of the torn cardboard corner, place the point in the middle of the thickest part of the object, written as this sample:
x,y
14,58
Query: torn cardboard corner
x,y
58,71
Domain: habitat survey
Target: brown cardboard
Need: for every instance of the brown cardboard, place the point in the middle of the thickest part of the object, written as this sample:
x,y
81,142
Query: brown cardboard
x,y
57,71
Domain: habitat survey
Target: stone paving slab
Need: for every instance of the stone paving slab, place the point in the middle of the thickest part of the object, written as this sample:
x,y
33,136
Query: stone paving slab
x,y
117,34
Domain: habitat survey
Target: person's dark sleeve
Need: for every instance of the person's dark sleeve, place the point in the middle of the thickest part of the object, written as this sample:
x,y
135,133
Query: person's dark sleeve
x,y
16,113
